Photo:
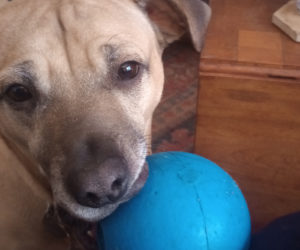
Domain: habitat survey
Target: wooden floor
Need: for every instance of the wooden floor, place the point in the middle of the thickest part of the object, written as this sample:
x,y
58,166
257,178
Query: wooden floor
x,y
249,106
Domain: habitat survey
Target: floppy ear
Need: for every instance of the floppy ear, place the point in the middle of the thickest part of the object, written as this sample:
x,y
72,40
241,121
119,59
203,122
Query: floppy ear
x,y
172,18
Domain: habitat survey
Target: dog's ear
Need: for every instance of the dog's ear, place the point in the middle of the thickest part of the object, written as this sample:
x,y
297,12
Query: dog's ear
x,y
172,18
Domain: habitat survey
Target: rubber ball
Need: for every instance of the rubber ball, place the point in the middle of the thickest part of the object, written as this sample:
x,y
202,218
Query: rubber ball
x,y
187,203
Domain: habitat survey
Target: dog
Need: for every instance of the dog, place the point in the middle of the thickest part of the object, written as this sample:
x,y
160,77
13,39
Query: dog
x,y
79,82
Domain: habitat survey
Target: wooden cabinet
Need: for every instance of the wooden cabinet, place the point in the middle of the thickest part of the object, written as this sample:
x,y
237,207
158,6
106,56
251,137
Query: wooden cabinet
x,y
248,118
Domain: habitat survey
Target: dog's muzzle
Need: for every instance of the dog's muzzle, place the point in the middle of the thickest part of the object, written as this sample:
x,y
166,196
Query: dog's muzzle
x,y
99,186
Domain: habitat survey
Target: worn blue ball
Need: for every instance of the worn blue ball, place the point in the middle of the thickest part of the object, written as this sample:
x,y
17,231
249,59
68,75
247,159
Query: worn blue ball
x,y
187,203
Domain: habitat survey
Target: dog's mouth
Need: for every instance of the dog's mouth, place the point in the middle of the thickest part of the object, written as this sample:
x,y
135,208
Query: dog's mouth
x,y
66,200
82,233
139,183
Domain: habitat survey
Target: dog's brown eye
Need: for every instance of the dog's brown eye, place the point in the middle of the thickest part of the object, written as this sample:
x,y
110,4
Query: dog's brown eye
x,y
18,93
129,70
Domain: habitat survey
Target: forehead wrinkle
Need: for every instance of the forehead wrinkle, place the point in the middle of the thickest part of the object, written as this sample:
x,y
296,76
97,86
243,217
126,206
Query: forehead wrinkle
x,y
65,43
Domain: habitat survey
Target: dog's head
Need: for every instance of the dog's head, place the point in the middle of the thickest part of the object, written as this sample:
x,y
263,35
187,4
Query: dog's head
x,y
79,81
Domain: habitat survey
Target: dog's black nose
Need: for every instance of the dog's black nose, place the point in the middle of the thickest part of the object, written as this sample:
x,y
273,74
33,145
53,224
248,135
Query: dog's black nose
x,y
101,185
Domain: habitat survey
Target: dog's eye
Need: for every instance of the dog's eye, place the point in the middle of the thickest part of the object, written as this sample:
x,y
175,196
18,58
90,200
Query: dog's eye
x,y
128,70
18,93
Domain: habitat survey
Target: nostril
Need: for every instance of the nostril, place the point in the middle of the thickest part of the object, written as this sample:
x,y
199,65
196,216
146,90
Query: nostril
x,y
118,188
117,184
92,197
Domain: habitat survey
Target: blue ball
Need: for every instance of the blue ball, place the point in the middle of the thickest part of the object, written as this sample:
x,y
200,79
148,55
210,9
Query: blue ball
x,y
187,203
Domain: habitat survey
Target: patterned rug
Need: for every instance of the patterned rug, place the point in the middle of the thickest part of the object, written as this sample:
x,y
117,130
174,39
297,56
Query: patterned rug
x,y
175,118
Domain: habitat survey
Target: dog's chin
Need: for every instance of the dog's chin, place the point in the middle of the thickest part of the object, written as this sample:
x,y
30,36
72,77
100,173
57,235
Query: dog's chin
x,y
95,214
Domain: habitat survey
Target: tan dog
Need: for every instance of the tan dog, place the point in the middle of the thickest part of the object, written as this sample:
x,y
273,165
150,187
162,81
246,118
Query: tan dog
x,y
79,81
